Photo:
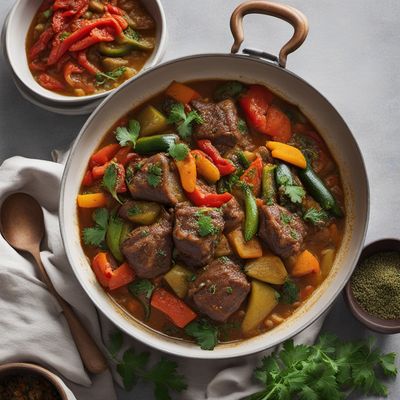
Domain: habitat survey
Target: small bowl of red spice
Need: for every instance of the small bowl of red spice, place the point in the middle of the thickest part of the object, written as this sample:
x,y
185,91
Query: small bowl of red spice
x,y
373,291
24,381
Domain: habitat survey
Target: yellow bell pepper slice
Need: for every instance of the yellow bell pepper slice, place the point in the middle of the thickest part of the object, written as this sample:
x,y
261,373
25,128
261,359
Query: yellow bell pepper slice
x,y
187,172
205,167
287,153
92,200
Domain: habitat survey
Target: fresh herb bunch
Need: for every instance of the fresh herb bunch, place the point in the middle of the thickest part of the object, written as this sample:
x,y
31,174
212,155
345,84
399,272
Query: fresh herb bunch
x,y
328,370
183,122
133,368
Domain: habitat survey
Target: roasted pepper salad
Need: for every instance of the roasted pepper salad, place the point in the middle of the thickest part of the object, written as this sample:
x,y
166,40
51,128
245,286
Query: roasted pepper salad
x,y
84,47
212,211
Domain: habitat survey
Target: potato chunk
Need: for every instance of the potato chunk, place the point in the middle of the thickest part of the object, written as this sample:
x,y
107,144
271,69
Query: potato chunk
x,y
268,268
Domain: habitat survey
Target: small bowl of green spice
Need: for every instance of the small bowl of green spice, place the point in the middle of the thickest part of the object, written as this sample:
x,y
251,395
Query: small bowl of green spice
x,y
373,292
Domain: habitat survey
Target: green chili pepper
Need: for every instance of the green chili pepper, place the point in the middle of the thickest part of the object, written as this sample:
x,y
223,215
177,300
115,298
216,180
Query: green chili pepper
x,y
135,42
317,189
283,175
114,50
268,184
243,159
251,212
113,236
154,144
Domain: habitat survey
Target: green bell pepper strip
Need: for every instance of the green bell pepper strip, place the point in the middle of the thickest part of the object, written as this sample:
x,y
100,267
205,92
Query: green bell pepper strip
x,y
268,184
317,189
113,236
251,213
243,159
155,144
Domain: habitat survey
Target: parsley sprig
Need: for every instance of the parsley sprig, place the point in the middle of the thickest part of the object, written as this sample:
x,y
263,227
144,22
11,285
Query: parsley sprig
x,y
178,151
183,121
326,370
94,236
127,136
133,368
103,77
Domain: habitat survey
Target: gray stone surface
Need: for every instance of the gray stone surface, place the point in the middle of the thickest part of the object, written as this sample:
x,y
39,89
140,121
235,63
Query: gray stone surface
x,y
352,56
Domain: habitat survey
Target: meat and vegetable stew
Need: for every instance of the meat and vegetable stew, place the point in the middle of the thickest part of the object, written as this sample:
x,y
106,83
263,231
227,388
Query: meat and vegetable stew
x,y
84,47
212,211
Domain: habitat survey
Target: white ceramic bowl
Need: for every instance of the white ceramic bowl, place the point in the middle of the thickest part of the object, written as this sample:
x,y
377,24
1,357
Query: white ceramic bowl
x,y
292,88
18,23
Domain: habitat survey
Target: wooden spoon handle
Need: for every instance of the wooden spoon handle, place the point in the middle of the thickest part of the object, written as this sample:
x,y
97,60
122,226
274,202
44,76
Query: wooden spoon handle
x,y
92,357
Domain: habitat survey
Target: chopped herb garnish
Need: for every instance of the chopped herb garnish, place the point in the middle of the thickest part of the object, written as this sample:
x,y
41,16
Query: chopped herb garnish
x,y
212,288
161,253
138,166
242,126
224,259
285,218
135,210
315,217
128,175
110,180
205,224
127,136
95,236
294,235
142,290
290,292
64,35
178,151
144,233
192,278
103,77
48,13
183,122
229,290
131,34
205,334
154,175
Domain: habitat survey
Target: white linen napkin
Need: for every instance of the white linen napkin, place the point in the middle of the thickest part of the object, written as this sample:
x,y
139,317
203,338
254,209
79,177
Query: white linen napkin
x,y
34,329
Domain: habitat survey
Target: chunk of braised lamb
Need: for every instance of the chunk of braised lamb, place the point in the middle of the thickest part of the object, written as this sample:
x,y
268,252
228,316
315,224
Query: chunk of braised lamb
x,y
281,230
219,290
148,249
220,123
154,179
195,246
233,215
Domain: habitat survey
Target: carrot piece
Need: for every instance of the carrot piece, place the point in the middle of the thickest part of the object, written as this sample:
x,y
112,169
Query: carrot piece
x,y
287,153
174,308
104,154
121,276
187,172
305,264
92,200
278,124
182,93
102,268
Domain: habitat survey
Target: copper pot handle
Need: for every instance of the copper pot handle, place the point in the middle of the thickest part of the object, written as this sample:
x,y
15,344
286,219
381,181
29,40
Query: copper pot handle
x,y
289,14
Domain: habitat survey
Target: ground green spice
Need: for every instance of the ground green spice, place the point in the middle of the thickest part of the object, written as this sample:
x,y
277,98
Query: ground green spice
x,y
376,285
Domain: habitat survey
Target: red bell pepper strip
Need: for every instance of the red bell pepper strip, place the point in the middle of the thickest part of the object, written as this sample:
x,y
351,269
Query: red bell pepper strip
x,y
88,179
173,307
95,36
123,23
41,43
252,175
102,268
199,198
58,51
98,171
58,22
48,82
121,276
105,154
37,65
114,10
77,81
224,166
85,63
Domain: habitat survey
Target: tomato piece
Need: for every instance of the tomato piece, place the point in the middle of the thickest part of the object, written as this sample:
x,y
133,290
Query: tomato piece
x,y
48,82
255,103
278,124
121,276
102,268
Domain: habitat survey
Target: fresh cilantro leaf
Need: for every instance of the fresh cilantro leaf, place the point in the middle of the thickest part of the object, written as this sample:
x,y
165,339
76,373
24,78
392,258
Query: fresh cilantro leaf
x,y
128,136
387,362
115,344
228,90
295,193
206,335
315,217
94,236
48,13
131,34
131,367
242,126
227,183
142,290
205,225
178,151
64,35
285,218
154,175
103,77
290,292
110,180
184,122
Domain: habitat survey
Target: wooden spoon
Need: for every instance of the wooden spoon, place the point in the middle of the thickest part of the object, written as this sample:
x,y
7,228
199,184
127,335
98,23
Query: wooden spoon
x,y
22,225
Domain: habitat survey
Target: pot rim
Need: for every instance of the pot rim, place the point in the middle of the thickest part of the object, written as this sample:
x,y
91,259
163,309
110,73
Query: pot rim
x,y
17,367
161,344
60,100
